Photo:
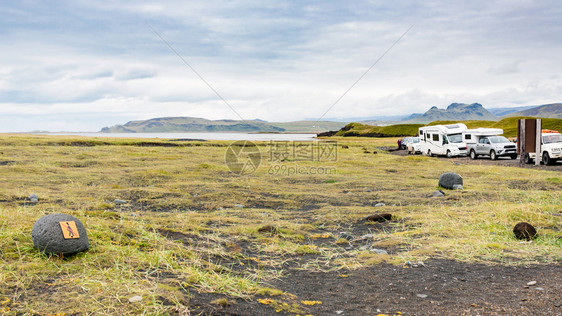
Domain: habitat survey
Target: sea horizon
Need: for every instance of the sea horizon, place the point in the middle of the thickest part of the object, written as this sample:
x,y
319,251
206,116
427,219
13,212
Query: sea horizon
x,y
191,135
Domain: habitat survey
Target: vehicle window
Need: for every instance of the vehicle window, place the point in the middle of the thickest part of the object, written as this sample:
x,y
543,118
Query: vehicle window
x,y
481,140
556,138
415,140
455,138
498,139
435,137
467,136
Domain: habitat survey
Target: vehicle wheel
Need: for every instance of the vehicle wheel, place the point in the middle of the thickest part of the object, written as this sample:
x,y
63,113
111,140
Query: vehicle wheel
x,y
528,159
493,155
546,159
514,156
449,155
473,154
429,153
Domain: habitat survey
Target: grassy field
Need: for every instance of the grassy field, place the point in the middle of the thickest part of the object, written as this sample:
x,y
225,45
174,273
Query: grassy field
x,y
183,229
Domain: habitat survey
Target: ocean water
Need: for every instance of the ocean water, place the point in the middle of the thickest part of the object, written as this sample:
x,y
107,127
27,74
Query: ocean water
x,y
204,136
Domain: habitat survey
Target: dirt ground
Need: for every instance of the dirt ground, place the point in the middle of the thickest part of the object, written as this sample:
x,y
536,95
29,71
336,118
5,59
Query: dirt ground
x,y
484,160
435,287
438,287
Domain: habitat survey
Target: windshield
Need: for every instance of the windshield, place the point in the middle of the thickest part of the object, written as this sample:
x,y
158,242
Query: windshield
x,y
415,140
455,138
498,139
554,138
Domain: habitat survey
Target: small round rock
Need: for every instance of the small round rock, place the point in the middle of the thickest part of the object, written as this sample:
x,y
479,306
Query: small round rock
x,y
48,237
438,193
524,230
33,198
268,229
119,202
451,181
379,217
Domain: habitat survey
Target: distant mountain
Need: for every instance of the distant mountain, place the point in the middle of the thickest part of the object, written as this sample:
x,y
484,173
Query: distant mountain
x,y
376,118
412,116
193,124
190,124
455,111
547,111
506,111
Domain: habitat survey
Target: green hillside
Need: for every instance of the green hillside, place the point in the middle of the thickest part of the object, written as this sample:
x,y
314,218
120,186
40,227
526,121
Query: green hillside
x,y
548,110
362,130
308,126
509,126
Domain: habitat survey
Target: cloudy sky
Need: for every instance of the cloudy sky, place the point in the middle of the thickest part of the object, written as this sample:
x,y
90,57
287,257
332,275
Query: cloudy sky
x,y
82,65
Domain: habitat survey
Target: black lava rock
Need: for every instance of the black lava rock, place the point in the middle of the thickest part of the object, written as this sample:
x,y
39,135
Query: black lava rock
x,y
379,217
524,230
48,235
451,181
268,229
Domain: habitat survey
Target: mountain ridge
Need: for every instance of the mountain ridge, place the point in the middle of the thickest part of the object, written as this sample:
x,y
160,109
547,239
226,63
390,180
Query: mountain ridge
x,y
184,124
455,111
553,110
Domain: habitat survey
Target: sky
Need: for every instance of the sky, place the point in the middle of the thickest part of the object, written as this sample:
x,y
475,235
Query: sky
x,y
82,65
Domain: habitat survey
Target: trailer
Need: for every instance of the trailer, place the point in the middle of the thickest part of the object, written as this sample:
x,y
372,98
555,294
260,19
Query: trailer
x,y
442,140
488,142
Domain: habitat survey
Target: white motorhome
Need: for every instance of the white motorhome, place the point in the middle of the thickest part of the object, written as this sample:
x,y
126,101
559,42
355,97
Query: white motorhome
x,y
488,142
442,140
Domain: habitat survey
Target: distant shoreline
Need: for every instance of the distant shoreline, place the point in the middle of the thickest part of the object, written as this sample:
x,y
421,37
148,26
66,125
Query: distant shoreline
x,y
227,136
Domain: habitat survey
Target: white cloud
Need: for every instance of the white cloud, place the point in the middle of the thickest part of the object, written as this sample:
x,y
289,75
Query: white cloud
x,y
93,64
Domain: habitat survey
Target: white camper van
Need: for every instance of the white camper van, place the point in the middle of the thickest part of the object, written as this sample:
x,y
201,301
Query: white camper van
x,y
442,140
488,142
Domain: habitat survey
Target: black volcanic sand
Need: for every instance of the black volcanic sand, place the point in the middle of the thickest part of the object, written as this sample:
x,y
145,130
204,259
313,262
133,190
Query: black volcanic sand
x,y
439,287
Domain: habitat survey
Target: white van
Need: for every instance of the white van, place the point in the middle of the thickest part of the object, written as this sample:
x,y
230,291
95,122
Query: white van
x,y
443,140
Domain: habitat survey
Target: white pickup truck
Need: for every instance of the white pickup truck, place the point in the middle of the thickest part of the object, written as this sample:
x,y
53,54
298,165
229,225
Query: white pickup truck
x,y
488,142
551,148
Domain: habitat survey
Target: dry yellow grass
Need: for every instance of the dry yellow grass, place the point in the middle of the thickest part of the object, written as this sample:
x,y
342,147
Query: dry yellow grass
x,y
180,230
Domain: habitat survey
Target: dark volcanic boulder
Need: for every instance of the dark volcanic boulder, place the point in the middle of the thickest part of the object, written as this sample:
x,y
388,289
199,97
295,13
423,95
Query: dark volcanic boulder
x,y
524,231
451,181
49,232
268,229
379,217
